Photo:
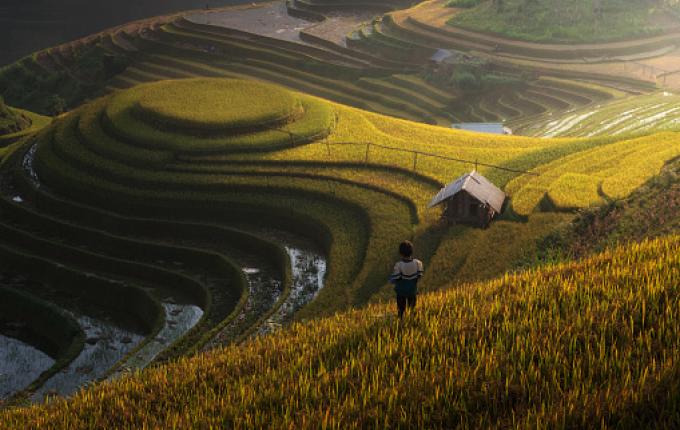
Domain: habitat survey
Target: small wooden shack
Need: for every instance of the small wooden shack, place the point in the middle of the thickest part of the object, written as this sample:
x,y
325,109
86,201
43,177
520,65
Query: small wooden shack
x,y
471,199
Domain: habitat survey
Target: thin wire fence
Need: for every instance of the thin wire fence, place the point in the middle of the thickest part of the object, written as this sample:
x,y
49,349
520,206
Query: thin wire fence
x,y
414,153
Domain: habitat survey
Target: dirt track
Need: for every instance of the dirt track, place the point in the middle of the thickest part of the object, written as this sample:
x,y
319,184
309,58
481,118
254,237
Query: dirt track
x,y
266,19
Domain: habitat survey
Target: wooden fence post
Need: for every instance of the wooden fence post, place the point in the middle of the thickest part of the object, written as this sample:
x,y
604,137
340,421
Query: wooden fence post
x,y
368,146
415,160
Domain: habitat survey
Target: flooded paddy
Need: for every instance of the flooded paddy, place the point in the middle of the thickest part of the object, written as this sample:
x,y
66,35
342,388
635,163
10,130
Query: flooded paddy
x,y
105,344
179,319
308,270
109,338
267,294
20,364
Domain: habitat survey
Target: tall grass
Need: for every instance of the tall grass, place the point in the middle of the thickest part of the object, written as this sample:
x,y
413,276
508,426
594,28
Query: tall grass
x,y
591,343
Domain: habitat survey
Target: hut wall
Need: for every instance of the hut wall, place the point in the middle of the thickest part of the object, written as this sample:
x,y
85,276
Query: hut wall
x,y
465,209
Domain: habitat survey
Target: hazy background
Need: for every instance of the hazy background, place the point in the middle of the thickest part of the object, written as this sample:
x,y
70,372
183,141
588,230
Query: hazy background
x,y
30,25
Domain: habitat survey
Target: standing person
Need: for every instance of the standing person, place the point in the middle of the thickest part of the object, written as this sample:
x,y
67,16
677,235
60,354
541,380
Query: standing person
x,y
405,277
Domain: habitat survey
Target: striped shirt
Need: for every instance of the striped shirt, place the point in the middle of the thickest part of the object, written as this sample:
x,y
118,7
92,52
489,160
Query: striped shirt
x,y
405,276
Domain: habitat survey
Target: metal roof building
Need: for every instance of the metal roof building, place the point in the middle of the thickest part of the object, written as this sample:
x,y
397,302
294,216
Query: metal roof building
x,y
470,199
441,55
483,127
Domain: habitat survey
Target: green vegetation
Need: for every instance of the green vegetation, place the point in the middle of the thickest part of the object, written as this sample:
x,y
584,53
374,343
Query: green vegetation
x,y
199,165
356,166
600,332
556,21
576,177
11,121
135,116
465,4
205,156
27,123
214,105
65,81
650,212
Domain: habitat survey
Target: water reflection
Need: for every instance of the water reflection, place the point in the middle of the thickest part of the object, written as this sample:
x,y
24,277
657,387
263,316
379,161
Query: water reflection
x,y
20,364
105,345
179,319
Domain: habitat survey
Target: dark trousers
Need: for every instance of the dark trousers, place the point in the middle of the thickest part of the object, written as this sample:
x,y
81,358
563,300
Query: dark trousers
x,y
402,301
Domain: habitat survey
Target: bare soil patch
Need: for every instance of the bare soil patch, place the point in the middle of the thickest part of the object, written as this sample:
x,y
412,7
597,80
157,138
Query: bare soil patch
x,y
265,19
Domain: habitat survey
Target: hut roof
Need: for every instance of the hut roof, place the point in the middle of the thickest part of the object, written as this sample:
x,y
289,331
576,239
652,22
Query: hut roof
x,y
482,127
477,186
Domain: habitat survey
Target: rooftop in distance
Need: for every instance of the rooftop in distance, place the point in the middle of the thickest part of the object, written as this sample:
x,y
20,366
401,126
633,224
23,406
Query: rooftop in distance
x,y
483,127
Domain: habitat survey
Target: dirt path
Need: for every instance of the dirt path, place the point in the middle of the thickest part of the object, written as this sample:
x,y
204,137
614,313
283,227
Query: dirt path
x,y
338,25
265,19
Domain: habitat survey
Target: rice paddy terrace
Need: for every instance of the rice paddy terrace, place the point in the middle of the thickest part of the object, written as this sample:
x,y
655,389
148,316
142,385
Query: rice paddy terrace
x,y
232,216
508,350
655,111
378,67
210,184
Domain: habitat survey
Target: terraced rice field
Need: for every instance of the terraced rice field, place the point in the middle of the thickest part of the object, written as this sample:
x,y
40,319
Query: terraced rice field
x,y
12,140
629,115
379,71
637,64
432,20
513,339
179,51
138,198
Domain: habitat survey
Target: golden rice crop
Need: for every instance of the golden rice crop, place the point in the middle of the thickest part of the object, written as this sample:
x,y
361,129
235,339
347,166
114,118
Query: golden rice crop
x,y
621,167
362,150
574,190
582,344
210,104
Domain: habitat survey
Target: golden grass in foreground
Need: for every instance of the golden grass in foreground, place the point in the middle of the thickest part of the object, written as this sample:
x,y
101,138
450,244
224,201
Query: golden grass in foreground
x,y
587,344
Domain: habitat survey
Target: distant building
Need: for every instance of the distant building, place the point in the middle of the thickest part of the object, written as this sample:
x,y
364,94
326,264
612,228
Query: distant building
x,y
483,127
471,199
441,55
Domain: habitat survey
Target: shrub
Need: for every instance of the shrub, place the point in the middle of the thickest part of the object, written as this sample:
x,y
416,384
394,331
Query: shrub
x,y
465,80
466,4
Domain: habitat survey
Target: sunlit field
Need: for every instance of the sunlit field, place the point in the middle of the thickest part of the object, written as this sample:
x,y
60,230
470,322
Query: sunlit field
x,y
201,232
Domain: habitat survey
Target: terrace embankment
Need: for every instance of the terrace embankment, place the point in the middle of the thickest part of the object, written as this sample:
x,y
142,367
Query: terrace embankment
x,y
634,61
602,328
243,206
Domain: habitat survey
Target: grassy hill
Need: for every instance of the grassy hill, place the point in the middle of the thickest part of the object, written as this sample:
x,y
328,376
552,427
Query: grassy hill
x,y
583,344
16,124
562,22
143,195
231,203
11,121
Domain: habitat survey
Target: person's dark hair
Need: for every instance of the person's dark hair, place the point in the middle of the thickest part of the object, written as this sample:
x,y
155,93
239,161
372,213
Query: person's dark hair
x,y
406,248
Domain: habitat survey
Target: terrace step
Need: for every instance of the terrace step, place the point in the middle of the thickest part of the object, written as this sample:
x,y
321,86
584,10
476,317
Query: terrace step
x,y
148,240
326,55
456,35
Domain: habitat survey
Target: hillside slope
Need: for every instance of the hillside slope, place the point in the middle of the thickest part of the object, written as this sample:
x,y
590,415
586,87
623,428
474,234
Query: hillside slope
x,y
589,343
203,193
573,22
